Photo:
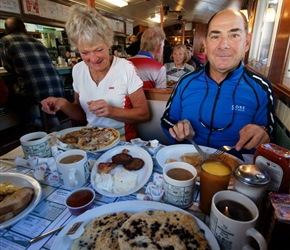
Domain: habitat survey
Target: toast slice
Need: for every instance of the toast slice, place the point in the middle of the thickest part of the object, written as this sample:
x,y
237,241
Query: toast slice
x,y
16,201
6,217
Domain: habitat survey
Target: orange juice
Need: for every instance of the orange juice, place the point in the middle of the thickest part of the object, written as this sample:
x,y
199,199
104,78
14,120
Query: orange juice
x,y
214,176
216,168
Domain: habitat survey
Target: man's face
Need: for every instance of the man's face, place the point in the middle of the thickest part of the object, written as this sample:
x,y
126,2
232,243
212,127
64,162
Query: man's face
x,y
226,42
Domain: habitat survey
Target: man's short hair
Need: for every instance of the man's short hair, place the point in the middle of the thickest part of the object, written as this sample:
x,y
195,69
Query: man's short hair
x,y
14,25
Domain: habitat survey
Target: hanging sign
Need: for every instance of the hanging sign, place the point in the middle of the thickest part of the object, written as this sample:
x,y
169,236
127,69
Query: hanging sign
x,y
10,6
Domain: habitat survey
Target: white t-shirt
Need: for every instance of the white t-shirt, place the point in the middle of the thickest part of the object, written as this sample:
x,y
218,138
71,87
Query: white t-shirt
x,y
120,81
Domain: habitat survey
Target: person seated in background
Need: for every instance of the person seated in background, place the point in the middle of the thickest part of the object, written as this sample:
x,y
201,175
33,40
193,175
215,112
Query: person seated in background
x,y
134,47
178,67
148,61
224,103
37,77
201,55
107,90
115,50
193,61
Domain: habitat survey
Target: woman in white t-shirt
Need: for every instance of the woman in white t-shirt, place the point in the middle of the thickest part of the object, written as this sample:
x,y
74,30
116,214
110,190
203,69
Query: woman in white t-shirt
x,y
107,90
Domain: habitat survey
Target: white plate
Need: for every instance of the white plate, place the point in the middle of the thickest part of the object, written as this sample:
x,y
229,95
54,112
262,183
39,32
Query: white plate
x,y
63,242
143,174
21,180
176,151
65,146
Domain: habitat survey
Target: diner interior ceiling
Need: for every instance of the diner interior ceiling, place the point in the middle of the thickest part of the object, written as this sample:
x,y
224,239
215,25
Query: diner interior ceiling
x,y
179,11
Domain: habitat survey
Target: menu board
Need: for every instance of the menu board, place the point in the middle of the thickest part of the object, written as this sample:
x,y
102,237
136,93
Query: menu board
x,y
129,27
46,9
10,6
118,26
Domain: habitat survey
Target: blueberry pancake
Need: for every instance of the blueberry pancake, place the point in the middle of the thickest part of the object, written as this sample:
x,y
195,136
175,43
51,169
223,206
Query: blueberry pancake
x,y
161,230
101,232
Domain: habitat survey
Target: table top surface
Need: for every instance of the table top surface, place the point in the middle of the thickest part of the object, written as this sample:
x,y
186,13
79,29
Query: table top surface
x,y
51,211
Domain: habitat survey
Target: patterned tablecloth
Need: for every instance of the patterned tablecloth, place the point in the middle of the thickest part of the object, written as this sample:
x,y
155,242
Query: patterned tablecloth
x,y
51,211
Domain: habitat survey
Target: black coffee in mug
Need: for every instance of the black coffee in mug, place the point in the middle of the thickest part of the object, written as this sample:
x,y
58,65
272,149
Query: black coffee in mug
x,y
234,210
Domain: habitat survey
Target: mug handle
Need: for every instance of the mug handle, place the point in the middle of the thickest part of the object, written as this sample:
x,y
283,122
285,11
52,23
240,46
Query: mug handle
x,y
252,232
72,178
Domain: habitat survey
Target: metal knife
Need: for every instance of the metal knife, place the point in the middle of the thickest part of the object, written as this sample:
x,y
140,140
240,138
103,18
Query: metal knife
x,y
199,150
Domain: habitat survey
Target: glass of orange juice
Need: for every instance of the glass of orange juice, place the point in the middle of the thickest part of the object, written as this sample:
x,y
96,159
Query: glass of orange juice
x,y
214,176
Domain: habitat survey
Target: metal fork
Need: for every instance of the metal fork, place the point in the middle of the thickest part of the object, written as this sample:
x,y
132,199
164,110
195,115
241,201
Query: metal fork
x,y
222,150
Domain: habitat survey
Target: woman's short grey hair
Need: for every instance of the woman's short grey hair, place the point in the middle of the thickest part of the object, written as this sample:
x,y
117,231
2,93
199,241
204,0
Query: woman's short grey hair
x,y
86,24
184,50
151,39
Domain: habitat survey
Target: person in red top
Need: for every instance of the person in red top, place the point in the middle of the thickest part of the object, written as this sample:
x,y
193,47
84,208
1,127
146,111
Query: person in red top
x,y
201,55
148,61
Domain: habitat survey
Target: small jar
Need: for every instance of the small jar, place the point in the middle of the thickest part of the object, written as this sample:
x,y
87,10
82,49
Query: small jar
x,y
251,181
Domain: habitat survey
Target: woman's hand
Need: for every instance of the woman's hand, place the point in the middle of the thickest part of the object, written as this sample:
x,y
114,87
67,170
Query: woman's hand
x,y
99,108
181,130
51,105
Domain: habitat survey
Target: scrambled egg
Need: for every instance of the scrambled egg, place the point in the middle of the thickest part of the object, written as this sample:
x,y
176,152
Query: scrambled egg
x,y
6,188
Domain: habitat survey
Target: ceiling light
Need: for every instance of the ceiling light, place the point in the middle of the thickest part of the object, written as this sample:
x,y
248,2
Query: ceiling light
x,y
155,18
119,3
245,12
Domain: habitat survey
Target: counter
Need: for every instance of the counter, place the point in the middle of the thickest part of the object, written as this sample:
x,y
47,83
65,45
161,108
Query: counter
x,y
157,94
8,120
62,70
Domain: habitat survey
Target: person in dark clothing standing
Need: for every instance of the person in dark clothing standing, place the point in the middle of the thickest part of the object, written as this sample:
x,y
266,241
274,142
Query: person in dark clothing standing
x,y
134,48
167,50
37,77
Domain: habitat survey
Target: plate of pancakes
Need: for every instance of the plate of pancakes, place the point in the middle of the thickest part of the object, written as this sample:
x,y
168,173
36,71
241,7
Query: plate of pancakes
x,y
133,224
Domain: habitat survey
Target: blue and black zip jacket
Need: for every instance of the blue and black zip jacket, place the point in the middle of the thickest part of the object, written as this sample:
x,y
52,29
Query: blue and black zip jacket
x,y
218,112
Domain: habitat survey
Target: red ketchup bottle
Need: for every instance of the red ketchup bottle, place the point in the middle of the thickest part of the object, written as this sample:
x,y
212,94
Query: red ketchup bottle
x,y
275,160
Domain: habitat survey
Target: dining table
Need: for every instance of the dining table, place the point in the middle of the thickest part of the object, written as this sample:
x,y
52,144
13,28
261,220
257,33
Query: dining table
x,y
51,211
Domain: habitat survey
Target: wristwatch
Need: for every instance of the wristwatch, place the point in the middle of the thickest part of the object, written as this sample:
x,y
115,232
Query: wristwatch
x,y
266,129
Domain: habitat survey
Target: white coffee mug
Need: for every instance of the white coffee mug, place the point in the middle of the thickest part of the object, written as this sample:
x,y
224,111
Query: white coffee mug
x,y
73,168
179,191
35,144
233,233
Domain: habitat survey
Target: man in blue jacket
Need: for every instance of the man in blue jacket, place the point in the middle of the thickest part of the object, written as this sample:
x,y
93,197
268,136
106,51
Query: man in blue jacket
x,y
224,103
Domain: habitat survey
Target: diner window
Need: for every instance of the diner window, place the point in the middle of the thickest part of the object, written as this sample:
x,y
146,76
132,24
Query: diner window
x,y
286,76
264,34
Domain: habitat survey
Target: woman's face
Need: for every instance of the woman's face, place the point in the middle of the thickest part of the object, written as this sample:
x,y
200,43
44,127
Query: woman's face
x,y
178,56
96,57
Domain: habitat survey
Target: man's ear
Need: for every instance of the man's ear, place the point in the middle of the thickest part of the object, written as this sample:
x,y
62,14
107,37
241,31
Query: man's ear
x,y
248,41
